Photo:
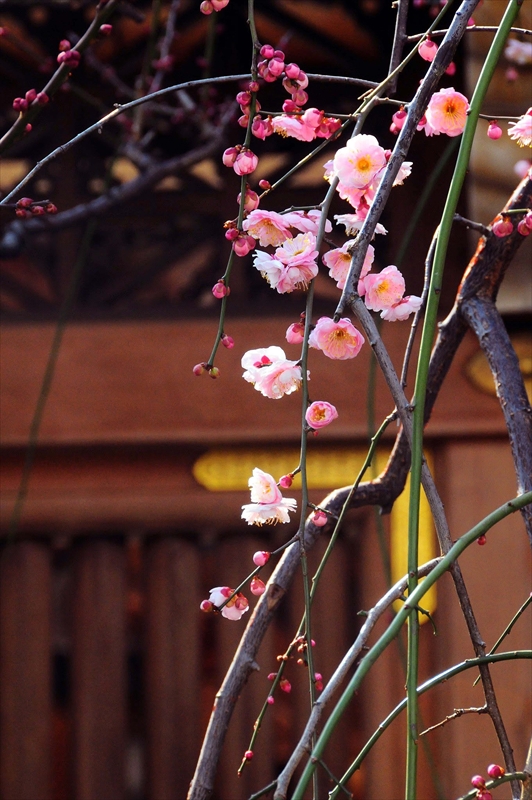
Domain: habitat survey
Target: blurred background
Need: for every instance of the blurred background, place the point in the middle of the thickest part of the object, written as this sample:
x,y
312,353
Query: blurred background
x,y
122,474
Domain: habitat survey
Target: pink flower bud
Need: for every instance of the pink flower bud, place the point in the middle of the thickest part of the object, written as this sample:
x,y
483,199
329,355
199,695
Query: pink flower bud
x,y
31,94
20,104
399,118
199,369
248,755
289,107
24,202
503,227
228,341
267,51
243,98
511,74
232,233
214,372
272,676
264,184
300,97
276,67
285,685
106,29
528,219
285,482
523,228
245,162
19,212
279,54
229,156
64,44
318,676
495,771
270,700
319,518
42,98
478,781
261,557
251,200
481,540
38,211
451,69
427,50
244,245
257,586
206,7
243,121
292,71
295,333
494,131
220,290
206,606
253,86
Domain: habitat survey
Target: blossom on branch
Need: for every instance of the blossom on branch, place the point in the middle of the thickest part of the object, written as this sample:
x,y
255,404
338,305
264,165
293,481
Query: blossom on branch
x,y
338,340
271,373
269,227
356,164
292,267
353,223
267,502
521,130
235,608
384,289
402,310
446,113
338,262
320,413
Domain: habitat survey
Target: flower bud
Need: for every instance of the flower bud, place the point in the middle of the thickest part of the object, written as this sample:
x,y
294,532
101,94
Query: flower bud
x,y
231,234
253,86
257,586
285,482
451,69
319,518
292,71
106,29
270,700
523,228
245,162
206,7
495,771
261,557
64,44
229,156
285,685
478,781
42,98
243,98
220,290
199,369
494,131
228,341
264,184
20,104
31,94
214,372
24,202
272,676
206,606
248,755
427,50
481,540
267,51
503,227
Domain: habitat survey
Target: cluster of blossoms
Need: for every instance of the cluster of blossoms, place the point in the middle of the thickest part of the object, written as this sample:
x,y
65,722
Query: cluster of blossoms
x,y
446,113
27,207
478,782
503,226
267,502
21,104
67,56
359,166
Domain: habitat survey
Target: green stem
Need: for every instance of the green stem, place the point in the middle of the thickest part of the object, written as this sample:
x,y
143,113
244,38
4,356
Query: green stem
x,y
422,375
395,626
441,678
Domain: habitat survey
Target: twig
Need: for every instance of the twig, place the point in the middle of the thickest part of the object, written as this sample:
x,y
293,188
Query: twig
x,y
458,712
474,226
507,630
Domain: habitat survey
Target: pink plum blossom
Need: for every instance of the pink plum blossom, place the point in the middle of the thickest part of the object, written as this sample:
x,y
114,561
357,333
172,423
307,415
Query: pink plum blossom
x,y
494,130
353,223
299,250
263,487
338,340
319,518
521,130
338,262
271,373
284,277
447,112
383,289
267,503
261,557
320,413
358,162
293,127
306,221
257,586
243,245
251,200
269,227
402,310
502,227
235,608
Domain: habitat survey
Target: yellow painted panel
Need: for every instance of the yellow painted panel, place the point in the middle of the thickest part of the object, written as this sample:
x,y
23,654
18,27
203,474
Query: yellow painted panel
x,y
399,542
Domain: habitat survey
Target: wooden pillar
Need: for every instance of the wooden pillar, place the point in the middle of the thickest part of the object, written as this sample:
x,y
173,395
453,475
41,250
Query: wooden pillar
x,y
25,671
99,670
173,680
